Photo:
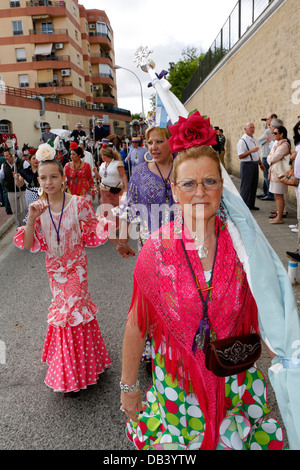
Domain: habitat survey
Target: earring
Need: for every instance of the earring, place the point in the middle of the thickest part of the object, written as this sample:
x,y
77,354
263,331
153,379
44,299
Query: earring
x,y
40,191
178,219
146,159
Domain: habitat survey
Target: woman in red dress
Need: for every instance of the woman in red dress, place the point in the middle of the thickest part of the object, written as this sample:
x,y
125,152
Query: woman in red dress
x,y
79,179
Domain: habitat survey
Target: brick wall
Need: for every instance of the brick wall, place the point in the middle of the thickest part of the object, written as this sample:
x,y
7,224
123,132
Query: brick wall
x,y
263,76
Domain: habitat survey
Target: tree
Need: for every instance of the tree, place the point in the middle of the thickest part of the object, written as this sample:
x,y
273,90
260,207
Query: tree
x,y
181,72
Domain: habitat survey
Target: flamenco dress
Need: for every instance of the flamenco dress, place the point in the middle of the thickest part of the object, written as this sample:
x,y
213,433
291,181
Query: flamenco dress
x,y
147,192
74,348
188,407
80,182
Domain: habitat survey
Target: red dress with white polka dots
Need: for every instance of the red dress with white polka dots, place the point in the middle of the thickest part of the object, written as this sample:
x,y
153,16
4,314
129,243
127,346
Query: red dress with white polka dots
x,y
74,348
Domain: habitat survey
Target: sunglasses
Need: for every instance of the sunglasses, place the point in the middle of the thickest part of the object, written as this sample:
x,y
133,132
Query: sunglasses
x,y
275,133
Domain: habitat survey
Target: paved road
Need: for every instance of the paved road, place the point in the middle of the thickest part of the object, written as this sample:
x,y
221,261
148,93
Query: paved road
x,y
32,416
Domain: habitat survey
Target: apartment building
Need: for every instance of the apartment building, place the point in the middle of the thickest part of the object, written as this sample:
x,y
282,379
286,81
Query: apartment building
x,y
63,52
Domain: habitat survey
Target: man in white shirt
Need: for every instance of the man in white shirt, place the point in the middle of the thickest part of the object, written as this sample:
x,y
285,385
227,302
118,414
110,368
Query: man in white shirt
x,y
248,153
88,157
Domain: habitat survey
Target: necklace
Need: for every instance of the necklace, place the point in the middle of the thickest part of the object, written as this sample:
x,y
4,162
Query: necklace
x,y
204,334
59,250
202,250
76,170
105,170
166,180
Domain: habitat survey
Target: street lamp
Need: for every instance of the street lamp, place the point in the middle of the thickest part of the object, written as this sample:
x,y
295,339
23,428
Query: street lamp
x,y
119,67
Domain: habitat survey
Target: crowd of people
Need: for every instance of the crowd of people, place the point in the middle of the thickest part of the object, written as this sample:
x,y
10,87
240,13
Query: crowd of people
x,y
277,155
99,168
189,285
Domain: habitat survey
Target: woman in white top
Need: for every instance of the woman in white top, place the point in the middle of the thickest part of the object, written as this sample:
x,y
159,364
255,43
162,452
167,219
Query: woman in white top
x,y
280,149
113,180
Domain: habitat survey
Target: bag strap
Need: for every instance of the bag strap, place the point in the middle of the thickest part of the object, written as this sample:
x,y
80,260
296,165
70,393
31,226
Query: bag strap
x,y
204,333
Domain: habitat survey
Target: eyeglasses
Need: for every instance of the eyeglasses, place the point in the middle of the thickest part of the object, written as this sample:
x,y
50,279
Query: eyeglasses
x,y
275,133
192,185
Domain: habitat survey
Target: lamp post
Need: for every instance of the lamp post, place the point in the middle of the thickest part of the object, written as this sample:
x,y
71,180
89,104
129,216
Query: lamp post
x,y
119,67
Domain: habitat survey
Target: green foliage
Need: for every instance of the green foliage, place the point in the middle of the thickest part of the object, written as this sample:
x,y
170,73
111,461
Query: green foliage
x,y
181,72
136,116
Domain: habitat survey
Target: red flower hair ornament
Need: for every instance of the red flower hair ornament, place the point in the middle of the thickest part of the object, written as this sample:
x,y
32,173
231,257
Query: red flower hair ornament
x,y
194,131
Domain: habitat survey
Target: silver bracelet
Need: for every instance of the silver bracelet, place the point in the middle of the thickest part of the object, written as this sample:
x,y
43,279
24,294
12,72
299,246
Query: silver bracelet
x,y
130,388
122,244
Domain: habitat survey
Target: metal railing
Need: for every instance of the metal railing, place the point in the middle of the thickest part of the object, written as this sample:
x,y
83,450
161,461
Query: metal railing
x,y
39,58
100,35
53,83
21,92
242,17
47,3
48,31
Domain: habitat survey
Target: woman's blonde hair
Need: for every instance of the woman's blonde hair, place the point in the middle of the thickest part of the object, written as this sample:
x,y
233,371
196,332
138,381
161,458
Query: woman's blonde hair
x,y
195,153
110,153
165,133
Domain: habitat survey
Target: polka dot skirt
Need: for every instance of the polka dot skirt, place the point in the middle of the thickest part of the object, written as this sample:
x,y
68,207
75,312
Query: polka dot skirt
x,y
172,419
75,355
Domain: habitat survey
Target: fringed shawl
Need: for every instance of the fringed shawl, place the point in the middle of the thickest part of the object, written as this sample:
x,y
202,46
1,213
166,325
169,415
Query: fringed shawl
x,y
166,303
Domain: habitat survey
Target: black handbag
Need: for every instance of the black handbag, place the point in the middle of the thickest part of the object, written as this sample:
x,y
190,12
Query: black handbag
x,y
114,190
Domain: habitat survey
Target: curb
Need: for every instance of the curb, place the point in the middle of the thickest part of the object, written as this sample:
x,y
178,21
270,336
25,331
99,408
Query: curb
x,y
6,226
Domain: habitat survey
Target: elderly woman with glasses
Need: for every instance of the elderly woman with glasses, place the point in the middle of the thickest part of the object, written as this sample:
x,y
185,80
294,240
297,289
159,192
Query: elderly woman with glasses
x,y
280,149
190,287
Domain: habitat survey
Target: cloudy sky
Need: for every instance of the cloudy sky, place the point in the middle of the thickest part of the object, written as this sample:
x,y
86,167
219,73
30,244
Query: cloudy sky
x,y
166,28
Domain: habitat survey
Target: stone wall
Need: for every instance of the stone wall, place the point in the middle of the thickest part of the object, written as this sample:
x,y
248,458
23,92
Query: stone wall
x,y
260,77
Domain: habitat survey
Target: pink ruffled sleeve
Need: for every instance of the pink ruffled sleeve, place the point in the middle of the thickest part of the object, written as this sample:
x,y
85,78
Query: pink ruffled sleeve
x,y
39,242
95,231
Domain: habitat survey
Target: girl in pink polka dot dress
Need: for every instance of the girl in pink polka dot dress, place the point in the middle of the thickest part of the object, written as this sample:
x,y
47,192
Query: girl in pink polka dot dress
x,y
61,225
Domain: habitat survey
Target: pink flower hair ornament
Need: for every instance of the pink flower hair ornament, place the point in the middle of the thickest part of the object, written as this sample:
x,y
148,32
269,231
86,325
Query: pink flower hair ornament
x,y
193,131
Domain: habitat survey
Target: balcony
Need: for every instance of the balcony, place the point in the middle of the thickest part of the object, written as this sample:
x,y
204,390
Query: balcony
x,y
48,31
104,97
100,38
45,7
45,3
40,58
54,83
97,58
40,35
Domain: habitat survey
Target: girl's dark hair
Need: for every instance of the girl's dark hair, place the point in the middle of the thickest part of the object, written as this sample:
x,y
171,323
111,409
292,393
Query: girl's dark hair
x,y
79,151
55,162
283,130
296,134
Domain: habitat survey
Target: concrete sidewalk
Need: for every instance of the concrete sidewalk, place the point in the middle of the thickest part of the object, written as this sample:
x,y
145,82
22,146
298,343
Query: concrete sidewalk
x,y
6,221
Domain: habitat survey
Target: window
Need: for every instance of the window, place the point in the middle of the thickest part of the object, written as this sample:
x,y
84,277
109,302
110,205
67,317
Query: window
x,y
23,81
47,27
105,71
4,127
80,82
103,30
14,3
17,27
21,55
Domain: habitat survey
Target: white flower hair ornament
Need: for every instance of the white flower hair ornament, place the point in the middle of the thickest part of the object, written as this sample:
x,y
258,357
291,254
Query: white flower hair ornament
x,y
45,152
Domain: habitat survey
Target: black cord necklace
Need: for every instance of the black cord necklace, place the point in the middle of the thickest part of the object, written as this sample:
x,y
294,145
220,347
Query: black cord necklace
x,y
59,250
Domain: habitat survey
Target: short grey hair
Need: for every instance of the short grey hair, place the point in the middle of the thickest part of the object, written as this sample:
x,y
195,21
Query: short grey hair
x,y
276,122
